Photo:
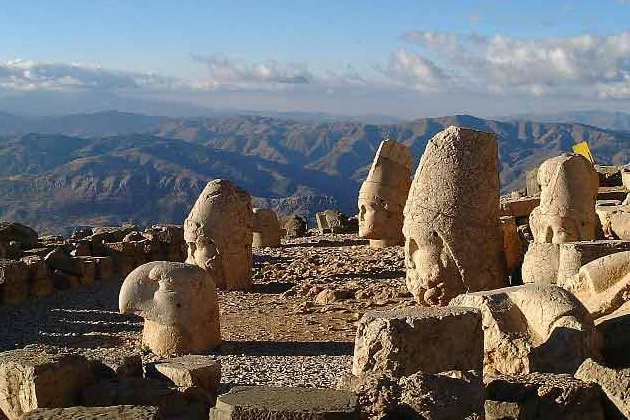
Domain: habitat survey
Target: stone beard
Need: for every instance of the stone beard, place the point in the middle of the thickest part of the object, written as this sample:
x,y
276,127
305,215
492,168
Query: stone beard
x,y
453,239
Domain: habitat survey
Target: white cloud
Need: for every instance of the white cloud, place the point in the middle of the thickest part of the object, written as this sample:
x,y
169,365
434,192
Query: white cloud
x,y
223,70
583,65
23,75
414,70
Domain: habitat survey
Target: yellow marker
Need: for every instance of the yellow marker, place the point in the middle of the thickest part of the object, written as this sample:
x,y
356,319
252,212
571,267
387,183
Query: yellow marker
x,y
583,149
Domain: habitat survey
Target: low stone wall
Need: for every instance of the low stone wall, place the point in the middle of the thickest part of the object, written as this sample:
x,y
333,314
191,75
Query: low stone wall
x,y
32,267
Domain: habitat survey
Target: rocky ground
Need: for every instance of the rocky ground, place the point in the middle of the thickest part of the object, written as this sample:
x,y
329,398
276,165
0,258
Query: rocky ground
x,y
295,328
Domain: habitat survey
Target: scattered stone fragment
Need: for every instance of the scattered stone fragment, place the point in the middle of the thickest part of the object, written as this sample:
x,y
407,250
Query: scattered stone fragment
x,y
271,403
30,379
532,328
542,396
191,371
614,382
406,341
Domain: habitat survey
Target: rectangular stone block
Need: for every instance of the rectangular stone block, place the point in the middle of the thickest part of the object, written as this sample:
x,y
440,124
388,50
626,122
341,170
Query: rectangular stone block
x,y
87,267
406,341
519,207
39,280
30,379
612,193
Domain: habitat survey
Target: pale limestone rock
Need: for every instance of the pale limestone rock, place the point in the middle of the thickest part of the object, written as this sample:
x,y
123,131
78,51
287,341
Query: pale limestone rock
x,y
602,285
218,232
532,328
31,379
124,412
179,305
615,221
540,263
331,221
445,395
542,396
520,207
614,382
406,341
383,195
191,371
566,213
267,231
283,403
453,241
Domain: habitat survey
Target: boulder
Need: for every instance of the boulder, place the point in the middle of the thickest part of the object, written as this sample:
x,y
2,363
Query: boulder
x,y
24,235
295,226
13,281
190,371
406,341
39,281
532,328
284,403
540,263
615,383
31,378
542,396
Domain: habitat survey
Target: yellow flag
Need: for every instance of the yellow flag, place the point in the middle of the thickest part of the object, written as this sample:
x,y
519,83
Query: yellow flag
x,y
583,149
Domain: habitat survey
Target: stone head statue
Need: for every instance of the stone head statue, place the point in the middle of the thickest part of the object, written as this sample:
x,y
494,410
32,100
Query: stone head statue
x,y
453,241
383,194
218,232
267,230
178,303
569,185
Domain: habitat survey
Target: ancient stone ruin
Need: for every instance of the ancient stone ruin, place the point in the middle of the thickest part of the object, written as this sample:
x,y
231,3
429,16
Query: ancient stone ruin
x,y
453,241
219,231
383,195
179,305
267,230
513,307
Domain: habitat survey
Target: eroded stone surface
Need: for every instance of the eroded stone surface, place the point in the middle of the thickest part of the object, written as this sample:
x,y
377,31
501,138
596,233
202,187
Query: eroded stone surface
x,y
31,379
383,195
614,382
532,328
189,371
178,303
453,241
540,396
410,340
267,231
271,403
218,232
126,412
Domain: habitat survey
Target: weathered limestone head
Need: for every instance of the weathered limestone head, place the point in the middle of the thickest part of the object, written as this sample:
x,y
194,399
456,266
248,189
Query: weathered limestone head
x,y
178,303
218,232
383,194
566,213
453,242
267,230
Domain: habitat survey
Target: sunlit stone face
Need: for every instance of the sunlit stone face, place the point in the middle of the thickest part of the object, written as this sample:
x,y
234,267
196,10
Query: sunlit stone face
x,y
432,274
375,221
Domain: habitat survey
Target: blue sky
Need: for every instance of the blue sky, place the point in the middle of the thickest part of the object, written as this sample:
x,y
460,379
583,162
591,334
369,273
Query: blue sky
x,y
389,57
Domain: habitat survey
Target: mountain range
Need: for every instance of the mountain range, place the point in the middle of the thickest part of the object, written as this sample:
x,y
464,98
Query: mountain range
x,y
110,167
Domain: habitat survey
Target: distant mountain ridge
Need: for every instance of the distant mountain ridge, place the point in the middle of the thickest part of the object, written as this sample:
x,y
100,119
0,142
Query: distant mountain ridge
x,y
111,168
604,119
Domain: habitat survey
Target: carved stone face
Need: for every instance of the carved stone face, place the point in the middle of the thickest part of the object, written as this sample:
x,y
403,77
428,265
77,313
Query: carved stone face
x,y
432,273
178,303
375,221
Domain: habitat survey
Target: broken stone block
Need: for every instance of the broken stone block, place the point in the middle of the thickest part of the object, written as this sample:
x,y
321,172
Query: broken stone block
x,y
512,245
118,366
190,371
406,341
126,412
87,268
267,231
39,281
13,281
613,330
332,221
612,193
519,207
574,255
541,396
609,175
532,328
625,177
532,187
295,227
615,383
104,268
31,378
145,392
540,264
24,235
446,395
284,403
